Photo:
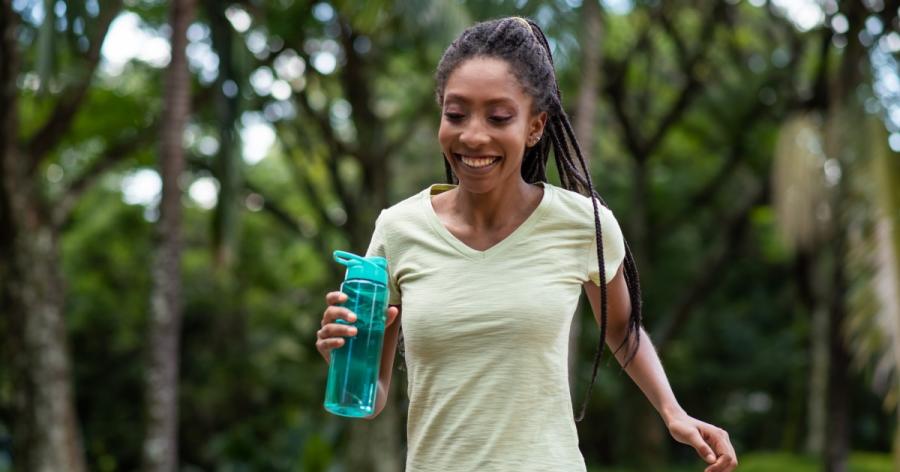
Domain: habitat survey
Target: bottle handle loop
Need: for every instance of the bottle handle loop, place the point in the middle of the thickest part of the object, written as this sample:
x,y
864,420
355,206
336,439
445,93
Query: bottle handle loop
x,y
349,259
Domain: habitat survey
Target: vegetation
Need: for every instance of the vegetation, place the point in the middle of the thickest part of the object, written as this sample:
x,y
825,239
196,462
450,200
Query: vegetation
x,y
749,149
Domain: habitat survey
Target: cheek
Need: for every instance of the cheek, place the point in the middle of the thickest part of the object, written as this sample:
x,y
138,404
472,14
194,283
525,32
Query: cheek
x,y
515,136
445,134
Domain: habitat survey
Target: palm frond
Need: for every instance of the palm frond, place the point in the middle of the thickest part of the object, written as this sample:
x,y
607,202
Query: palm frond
x,y
872,328
798,182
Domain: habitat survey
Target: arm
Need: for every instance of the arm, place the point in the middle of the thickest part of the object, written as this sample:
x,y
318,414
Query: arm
x,y
386,369
646,370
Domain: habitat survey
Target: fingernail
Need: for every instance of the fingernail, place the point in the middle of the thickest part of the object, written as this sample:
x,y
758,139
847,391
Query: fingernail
x,y
351,317
710,457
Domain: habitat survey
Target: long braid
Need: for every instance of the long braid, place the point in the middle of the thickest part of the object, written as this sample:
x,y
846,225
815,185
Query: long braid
x,y
524,46
631,275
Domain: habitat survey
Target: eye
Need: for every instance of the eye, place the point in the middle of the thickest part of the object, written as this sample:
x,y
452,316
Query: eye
x,y
454,116
500,119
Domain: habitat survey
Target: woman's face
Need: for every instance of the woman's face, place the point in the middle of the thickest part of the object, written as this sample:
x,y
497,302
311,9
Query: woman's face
x,y
486,122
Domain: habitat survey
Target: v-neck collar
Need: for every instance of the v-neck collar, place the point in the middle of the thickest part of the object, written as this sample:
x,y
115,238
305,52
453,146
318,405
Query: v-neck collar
x,y
520,232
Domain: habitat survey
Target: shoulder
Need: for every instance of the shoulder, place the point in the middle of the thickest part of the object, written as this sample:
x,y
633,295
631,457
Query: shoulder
x,y
408,210
578,208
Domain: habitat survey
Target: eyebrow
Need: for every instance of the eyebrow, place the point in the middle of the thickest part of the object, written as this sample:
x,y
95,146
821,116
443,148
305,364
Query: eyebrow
x,y
459,98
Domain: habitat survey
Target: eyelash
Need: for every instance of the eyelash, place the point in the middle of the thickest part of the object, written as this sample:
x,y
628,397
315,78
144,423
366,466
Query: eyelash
x,y
456,117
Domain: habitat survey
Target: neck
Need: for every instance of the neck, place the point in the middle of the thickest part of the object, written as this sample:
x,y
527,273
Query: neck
x,y
502,205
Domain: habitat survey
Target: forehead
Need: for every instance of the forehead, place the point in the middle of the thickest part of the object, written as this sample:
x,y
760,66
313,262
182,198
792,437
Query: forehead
x,y
484,80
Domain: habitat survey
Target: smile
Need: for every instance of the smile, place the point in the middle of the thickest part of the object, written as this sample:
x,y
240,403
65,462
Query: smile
x,y
481,163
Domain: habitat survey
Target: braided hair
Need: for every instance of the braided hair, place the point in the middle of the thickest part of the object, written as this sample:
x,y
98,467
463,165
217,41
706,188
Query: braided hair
x,y
522,44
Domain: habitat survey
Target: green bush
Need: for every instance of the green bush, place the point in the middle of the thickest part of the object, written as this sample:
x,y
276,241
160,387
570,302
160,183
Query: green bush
x,y
786,462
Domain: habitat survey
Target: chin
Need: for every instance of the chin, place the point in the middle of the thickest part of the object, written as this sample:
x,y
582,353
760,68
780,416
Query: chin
x,y
478,185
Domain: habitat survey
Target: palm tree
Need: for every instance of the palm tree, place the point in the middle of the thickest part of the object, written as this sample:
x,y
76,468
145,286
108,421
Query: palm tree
x,y
838,208
873,323
800,199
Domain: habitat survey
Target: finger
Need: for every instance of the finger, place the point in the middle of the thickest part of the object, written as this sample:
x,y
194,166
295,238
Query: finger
x,y
334,330
725,456
392,313
724,463
333,298
730,456
334,313
325,345
720,442
703,449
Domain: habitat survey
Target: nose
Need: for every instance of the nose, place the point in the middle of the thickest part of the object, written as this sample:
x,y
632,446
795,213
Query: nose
x,y
474,135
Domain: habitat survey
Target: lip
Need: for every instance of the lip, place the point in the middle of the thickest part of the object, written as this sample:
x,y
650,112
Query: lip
x,y
477,170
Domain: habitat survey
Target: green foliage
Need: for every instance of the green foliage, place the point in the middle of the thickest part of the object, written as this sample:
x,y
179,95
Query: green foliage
x,y
106,302
251,380
777,462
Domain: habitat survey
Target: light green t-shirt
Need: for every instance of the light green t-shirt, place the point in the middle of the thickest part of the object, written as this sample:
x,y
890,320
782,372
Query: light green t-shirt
x,y
486,332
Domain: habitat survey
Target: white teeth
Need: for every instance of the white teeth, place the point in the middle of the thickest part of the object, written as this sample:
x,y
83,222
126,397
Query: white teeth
x,y
478,161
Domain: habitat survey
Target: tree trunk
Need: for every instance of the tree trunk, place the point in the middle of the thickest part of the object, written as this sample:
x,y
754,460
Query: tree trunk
x,y
837,434
812,288
818,382
647,433
843,112
160,450
45,427
640,217
46,433
897,443
592,41
228,159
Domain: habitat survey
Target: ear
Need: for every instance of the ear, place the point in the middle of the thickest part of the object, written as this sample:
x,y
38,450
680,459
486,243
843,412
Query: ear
x,y
538,122
536,128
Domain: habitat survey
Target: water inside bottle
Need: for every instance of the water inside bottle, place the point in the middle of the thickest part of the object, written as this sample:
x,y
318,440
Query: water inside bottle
x,y
354,367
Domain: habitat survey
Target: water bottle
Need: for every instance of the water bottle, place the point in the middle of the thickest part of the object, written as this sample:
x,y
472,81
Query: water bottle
x,y
353,368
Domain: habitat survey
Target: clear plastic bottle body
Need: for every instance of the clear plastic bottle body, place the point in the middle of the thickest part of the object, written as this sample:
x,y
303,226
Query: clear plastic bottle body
x,y
354,367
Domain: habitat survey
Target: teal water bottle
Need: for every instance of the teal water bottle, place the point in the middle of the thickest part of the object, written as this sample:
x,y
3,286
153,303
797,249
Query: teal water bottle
x,y
353,368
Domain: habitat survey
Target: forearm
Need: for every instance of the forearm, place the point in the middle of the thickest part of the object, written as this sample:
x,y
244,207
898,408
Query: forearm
x,y
647,372
380,400
386,366
384,385
380,397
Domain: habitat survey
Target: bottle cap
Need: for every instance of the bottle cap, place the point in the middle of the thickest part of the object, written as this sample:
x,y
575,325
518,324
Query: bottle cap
x,y
368,268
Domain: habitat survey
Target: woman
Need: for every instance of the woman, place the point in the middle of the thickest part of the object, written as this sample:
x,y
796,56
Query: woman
x,y
488,270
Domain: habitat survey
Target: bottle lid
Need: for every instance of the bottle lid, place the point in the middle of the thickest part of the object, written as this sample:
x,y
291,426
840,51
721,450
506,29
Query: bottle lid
x,y
367,268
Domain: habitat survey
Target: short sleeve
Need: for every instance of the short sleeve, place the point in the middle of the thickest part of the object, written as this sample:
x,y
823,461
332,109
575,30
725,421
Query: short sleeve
x,y
378,247
613,246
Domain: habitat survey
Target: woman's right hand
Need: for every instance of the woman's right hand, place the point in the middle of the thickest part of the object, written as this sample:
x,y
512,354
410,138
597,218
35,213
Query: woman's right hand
x,y
332,334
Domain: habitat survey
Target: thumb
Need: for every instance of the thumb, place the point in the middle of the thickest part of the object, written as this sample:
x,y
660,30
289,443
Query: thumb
x,y
392,313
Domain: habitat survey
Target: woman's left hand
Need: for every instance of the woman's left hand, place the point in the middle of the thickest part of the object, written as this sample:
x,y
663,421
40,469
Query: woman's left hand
x,y
711,442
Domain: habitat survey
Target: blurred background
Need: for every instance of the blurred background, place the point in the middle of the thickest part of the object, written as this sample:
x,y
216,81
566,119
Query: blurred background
x,y
176,175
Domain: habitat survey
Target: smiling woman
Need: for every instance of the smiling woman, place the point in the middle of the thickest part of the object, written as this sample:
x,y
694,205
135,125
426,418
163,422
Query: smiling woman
x,y
485,273
487,122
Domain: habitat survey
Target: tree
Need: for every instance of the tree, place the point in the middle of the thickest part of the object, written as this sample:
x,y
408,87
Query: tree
x,y
44,421
161,442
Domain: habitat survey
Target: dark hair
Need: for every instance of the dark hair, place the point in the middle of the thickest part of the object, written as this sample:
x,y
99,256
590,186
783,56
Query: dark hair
x,y
522,44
